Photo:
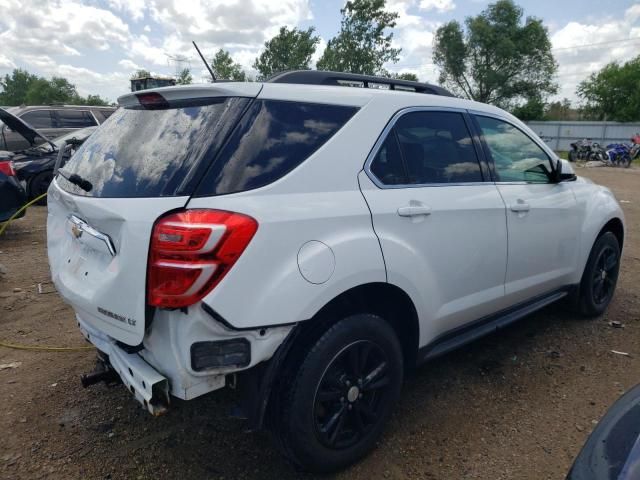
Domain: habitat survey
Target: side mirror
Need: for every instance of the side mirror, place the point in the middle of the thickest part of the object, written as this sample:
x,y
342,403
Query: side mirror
x,y
564,171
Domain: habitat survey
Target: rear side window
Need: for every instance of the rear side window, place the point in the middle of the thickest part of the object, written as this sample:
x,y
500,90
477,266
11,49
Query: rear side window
x,y
273,138
153,153
38,119
75,119
388,166
434,147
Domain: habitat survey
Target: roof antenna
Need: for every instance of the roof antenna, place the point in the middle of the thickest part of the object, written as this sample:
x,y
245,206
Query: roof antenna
x,y
205,62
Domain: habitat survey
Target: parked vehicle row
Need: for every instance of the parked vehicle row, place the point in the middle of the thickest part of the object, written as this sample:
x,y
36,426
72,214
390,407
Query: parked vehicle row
x,y
615,155
52,121
33,166
308,242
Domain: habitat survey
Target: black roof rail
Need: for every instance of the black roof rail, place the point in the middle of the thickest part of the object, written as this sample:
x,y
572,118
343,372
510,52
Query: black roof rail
x,y
319,77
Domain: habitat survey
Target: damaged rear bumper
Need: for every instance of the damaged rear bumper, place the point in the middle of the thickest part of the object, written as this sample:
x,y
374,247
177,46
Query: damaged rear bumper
x,y
148,386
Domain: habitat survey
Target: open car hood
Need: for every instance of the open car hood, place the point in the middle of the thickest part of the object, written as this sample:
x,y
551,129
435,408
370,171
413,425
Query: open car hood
x,y
25,130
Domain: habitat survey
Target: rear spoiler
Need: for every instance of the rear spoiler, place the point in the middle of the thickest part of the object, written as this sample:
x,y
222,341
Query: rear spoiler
x,y
207,90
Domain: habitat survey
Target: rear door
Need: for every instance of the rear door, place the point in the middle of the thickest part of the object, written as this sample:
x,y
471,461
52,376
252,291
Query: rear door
x,y
542,216
144,161
439,218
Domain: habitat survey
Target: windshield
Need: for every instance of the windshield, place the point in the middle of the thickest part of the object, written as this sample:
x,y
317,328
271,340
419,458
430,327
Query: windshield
x,y
153,153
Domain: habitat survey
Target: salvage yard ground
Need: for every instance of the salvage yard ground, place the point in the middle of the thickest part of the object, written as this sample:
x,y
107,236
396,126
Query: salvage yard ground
x,y
516,405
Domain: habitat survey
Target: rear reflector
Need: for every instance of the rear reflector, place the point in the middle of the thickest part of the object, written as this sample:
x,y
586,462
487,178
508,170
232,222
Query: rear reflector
x,y
191,252
222,353
7,169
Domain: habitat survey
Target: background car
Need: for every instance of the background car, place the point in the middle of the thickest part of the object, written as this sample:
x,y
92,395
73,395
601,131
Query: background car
x,y
52,121
34,164
612,451
12,195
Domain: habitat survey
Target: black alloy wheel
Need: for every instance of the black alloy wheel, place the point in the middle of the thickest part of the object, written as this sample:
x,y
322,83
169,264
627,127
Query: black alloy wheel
x,y
600,276
605,275
340,391
350,394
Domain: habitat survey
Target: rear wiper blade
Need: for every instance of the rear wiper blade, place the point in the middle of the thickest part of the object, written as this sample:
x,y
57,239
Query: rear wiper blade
x,y
76,179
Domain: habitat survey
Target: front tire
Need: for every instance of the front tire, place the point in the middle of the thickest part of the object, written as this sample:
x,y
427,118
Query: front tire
x,y
342,394
600,276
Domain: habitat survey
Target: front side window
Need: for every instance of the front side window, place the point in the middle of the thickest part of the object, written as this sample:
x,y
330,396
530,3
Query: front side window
x,y
38,119
516,157
427,147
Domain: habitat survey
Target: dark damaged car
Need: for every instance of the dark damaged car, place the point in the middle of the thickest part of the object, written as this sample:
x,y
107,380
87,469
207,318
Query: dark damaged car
x,y
34,165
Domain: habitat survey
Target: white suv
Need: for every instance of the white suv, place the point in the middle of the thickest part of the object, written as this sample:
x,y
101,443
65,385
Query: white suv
x,y
308,242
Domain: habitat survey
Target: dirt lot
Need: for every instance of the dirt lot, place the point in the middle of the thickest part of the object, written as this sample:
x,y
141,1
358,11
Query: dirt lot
x,y
518,404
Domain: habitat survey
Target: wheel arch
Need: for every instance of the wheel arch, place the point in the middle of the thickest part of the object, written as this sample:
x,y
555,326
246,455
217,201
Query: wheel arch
x,y
386,300
614,226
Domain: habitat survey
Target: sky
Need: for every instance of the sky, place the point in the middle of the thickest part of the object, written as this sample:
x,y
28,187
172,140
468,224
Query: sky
x,y
97,44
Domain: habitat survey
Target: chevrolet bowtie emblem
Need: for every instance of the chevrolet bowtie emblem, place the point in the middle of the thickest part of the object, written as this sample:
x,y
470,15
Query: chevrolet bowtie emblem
x,y
76,231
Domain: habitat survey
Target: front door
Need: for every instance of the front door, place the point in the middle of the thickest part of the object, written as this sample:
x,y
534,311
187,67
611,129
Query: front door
x,y
440,222
541,214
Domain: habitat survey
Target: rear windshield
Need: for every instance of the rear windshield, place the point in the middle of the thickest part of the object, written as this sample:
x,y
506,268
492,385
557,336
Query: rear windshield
x,y
153,153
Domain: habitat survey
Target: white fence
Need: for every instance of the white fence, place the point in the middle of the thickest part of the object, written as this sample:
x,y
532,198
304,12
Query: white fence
x,y
559,135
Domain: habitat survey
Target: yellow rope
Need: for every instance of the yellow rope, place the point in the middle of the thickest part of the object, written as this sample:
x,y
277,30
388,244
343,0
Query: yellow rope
x,y
44,348
6,224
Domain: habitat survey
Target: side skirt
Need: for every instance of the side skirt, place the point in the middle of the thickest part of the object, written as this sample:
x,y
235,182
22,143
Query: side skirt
x,y
467,333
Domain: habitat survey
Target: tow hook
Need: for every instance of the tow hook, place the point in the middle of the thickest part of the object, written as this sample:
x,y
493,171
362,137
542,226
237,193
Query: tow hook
x,y
101,373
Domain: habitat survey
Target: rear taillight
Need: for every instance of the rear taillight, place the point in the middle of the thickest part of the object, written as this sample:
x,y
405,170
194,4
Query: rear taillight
x,y
191,252
7,169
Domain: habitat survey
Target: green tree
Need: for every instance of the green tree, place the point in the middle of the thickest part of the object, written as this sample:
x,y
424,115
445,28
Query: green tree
x,y
56,90
532,109
224,67
562,110
141,73
497,58
288,50
412,77
363,44
15,87
613,93
184,77
94,100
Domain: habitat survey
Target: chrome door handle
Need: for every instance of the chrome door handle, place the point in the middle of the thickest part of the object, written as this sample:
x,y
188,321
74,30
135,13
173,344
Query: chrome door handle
x,y
414,210
521,206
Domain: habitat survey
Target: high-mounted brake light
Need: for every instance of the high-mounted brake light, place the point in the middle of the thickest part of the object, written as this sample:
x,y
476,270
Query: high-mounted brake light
x,y
191,252
152,101
7,169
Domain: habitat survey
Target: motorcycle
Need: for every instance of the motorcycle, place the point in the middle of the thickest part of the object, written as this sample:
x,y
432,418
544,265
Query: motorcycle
x,y
580,150
619,155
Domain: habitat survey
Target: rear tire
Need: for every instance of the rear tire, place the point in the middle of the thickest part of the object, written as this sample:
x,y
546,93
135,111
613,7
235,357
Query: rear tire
x,y
600,276
572,156
339,399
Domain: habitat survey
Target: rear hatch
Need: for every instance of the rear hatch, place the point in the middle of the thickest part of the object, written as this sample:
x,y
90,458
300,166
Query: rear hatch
x,y
145,160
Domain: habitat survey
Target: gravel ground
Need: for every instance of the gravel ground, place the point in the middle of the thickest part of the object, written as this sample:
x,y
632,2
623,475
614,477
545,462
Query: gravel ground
x,y
516,404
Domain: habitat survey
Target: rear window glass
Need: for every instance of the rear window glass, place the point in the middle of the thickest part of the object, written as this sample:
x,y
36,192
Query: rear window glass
x,y
75,119
153,153
272,139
